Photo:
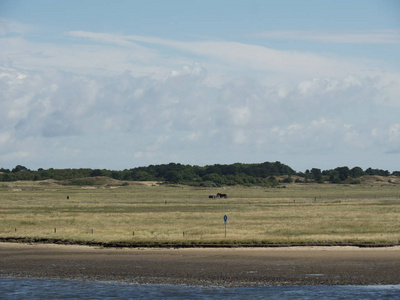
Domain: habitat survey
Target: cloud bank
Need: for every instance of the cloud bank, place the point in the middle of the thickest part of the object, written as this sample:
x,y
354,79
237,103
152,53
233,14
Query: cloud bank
x,y
112,101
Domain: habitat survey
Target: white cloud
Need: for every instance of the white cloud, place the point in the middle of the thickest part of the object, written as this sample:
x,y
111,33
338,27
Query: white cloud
x,y
107,54
5,139
143,55
11,27
194,136
106,38
81,58
394,133
255,57
240,116
131,100
16,156
76,105
388,36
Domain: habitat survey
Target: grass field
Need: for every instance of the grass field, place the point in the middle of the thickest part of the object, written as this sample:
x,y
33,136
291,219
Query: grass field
x,y
151,213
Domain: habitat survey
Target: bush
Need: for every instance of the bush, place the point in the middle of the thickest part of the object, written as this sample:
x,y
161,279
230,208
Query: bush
x,y
288,180
356,181
208,184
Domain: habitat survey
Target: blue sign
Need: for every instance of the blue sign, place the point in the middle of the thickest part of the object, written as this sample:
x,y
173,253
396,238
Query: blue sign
x,y
225,218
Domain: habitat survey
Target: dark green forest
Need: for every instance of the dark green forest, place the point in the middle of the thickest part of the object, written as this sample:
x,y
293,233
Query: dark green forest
x,y
263,174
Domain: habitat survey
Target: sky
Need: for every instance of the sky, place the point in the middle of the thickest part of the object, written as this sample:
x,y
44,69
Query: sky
x,y
121,84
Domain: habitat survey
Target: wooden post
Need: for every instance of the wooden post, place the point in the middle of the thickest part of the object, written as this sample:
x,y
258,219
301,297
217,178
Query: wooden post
x,y
55,230
183,234
133,233
92,231
225,220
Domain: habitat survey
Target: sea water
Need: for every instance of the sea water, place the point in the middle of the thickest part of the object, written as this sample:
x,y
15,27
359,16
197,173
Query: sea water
x,y
23,288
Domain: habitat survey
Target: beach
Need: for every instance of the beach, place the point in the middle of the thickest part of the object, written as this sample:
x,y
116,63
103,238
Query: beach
x,y
205,266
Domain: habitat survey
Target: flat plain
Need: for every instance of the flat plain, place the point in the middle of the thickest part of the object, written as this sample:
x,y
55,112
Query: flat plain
x,y
148,212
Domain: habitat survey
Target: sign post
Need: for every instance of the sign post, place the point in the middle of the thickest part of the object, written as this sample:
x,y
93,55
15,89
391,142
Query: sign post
x,y
225,219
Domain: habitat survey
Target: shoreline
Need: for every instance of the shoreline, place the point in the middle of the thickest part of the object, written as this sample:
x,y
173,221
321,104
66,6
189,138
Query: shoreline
x,y
228,267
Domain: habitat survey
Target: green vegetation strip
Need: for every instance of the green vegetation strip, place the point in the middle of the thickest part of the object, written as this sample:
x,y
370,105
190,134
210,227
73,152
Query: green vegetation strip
x,y
265,174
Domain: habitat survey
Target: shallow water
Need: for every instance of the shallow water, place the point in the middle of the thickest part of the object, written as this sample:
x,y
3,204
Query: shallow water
x,y
23,288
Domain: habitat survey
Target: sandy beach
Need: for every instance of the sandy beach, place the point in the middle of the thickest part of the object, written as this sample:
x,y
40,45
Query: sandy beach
x,y
204,266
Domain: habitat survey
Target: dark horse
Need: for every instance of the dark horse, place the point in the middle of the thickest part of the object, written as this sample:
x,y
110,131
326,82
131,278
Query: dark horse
x,y
219,195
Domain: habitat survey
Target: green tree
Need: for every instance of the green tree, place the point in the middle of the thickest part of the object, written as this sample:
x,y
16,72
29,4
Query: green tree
x,y
96,172
344,173
116,175
19,168
214,177
7,177
173,177
143,176
317,175
334,176
356,172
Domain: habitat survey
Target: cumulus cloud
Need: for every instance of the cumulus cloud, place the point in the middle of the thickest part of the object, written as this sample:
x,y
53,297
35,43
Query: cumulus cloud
x,y
195,116
161,117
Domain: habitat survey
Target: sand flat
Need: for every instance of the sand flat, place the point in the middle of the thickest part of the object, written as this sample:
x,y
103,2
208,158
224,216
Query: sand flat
x,y
205,266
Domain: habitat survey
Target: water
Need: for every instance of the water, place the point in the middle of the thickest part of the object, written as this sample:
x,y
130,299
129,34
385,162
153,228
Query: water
x,y
22,288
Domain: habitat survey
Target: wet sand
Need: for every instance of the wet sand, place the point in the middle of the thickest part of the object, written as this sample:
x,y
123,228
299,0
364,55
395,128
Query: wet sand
x,y
205,266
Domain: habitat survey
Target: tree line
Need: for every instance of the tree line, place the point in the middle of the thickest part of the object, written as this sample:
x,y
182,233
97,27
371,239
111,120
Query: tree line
x,y
267,174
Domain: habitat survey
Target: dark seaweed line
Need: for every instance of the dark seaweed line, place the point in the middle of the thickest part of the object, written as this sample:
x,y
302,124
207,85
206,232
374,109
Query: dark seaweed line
x,y
33,240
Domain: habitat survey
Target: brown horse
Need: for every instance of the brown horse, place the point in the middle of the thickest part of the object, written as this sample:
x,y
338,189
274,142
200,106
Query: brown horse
x,y
219,195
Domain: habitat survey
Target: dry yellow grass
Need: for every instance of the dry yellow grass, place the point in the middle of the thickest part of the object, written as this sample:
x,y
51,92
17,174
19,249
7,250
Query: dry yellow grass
x,y
153,212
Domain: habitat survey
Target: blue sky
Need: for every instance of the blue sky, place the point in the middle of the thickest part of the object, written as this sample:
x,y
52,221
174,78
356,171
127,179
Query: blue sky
x,y
119,84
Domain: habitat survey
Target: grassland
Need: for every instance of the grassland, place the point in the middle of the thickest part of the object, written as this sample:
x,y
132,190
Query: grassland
x,y
109,212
